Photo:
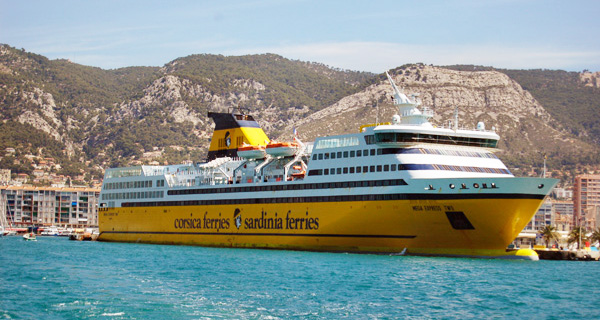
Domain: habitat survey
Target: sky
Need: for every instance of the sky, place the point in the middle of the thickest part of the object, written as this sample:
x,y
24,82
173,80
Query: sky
x,y
369,35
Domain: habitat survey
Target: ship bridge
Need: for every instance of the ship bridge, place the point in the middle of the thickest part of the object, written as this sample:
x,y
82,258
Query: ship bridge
x,y
402,136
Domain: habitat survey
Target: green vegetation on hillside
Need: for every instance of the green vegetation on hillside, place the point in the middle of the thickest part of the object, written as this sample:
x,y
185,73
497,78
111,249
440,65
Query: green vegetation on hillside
x,y
73,83
94,106
288,84
111,117
566,98
26,139
563,95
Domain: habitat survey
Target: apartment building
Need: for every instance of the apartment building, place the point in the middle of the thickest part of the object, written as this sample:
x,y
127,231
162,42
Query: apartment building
x,y
586,201
46,206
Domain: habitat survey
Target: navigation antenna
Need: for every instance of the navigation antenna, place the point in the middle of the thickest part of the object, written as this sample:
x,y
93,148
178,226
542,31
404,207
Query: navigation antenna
x,y
377,111
544,172
455,119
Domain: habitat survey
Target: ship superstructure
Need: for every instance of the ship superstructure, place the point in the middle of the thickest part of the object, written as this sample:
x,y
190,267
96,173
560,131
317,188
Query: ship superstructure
x,y
404,186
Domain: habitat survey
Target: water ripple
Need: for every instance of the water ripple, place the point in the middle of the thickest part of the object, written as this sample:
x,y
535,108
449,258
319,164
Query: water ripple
x,y
59,279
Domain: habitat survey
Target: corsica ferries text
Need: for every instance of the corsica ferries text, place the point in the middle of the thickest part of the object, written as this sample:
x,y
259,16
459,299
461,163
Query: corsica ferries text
x,y
264,222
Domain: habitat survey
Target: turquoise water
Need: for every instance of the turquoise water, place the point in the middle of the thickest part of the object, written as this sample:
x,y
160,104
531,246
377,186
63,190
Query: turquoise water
x,y
55,278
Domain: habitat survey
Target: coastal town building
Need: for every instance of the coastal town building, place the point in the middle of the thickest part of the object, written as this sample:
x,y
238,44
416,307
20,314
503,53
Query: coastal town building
x,y
557,213
541,218
4,176
562,218
562,193
586,201
47,206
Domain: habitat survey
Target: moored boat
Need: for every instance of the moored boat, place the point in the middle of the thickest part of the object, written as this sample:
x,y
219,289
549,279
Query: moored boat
x,y
30,236
404,187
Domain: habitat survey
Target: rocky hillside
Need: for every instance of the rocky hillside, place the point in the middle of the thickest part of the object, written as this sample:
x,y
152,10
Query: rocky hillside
x,y
98,118
87,119
526,129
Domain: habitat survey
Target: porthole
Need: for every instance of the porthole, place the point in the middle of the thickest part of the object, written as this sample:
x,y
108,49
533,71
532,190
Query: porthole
x,y
541,186
476,185
451,186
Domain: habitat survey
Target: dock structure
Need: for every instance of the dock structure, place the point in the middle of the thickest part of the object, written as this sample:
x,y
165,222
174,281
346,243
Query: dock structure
x,y
576,255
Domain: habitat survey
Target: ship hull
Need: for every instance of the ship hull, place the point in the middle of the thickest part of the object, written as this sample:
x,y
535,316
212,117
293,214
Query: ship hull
x,y
475,227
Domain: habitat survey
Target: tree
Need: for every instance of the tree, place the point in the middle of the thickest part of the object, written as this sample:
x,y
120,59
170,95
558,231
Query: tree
x,y
548,234
576,234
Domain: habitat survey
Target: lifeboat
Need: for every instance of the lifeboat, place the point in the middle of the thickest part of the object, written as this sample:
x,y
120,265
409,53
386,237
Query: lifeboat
x,y
282,149
298,175
251,152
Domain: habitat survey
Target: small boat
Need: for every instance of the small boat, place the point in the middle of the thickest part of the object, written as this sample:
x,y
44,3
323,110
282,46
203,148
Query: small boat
x,y
9,233
51,231
251,152
29,237
282,149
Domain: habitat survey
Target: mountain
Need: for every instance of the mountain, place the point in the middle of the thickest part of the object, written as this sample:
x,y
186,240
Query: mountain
x,y
527,130
572,98
87,119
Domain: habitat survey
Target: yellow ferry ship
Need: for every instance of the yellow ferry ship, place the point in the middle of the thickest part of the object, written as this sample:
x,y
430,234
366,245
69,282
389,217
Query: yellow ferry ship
x,y
404,187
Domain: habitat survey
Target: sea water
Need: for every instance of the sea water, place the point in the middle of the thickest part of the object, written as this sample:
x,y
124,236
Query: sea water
x,y
55,278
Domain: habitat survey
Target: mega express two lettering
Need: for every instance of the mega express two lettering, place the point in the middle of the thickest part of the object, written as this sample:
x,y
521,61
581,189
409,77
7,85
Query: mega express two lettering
x,y
266,221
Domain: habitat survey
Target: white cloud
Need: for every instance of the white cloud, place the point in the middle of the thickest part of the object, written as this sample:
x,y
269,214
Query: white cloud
x,y
380,56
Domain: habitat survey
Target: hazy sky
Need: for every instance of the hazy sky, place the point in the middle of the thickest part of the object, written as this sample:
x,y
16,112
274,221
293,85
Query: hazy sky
x,y
367,35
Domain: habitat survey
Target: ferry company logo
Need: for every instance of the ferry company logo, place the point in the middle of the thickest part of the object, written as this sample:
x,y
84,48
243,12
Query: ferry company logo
x,y
227,139
237,217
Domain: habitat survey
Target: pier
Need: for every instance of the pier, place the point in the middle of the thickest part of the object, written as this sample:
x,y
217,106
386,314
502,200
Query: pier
x,y
574,255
